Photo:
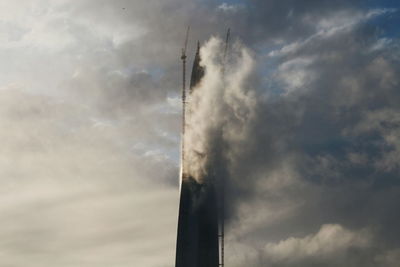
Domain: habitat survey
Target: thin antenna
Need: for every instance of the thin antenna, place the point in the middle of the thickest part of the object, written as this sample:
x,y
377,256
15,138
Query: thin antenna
x,y
222,185
228,35
183,58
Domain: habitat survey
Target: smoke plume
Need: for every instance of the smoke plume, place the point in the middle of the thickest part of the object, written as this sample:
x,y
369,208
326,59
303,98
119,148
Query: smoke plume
x,y
313,167
220,109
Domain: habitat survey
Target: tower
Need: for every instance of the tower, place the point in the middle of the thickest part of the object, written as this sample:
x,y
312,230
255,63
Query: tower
x,y
197,235
200,235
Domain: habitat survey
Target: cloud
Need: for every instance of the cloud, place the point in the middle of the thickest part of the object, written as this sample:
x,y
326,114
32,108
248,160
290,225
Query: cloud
x,y
319,150
71,193
305,128
224,7
220,99
332,245
330,239
390,258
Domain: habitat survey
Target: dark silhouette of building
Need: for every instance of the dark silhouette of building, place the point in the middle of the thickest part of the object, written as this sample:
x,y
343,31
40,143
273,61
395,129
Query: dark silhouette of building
x,y
197,237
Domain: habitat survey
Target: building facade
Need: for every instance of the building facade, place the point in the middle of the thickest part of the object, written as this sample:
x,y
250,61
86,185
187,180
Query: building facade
x,y
197,236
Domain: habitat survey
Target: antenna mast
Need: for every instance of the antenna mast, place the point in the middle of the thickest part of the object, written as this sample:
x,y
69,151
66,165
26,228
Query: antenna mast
x,y
222,185
228,35
183,58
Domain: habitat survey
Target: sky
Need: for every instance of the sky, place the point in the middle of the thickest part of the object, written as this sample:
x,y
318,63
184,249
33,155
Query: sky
x,y
306,130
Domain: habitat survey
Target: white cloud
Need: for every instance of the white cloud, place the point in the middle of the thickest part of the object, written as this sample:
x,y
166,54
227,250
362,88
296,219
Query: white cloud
x,y
340,22
295,74
225,7
329,241
385,123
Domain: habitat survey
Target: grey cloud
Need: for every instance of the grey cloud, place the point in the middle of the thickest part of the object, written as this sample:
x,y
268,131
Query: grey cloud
x,y
343,104
71,193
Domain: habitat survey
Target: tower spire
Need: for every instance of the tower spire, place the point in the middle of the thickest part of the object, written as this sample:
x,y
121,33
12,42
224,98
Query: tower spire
x,y
197,71
183,58
200,233
221,190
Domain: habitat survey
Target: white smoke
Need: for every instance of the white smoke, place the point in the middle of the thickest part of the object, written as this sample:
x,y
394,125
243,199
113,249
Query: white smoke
x,y
219,109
